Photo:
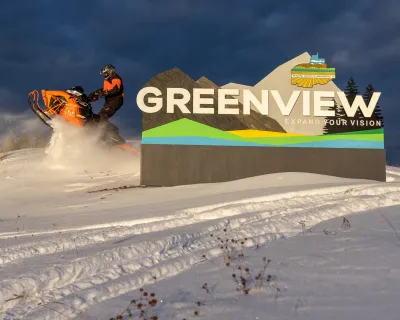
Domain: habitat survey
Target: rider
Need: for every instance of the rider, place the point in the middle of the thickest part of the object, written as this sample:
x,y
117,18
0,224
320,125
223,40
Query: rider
x,y
112,91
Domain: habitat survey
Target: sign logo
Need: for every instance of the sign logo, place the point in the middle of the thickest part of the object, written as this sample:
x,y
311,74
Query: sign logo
x,y
307,75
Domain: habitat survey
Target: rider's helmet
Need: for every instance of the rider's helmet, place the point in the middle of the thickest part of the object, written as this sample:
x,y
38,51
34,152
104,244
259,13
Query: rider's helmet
x,y
107,71
76,91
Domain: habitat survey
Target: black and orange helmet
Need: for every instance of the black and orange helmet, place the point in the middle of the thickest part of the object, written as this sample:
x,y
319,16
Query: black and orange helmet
x,y
107,71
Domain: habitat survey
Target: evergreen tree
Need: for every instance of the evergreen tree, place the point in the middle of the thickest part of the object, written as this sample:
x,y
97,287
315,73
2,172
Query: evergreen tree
x,y
342,116
351,91
377,115
334,123
328,127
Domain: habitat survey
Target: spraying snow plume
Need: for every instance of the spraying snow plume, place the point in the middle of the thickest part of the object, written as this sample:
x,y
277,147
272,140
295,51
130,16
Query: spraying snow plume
x,y
78,149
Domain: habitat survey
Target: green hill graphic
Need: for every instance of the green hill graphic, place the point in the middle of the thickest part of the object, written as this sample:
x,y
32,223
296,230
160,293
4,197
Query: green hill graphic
x,y
189,128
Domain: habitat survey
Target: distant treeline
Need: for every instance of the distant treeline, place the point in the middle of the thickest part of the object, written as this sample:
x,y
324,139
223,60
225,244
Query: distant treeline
x,y
17,142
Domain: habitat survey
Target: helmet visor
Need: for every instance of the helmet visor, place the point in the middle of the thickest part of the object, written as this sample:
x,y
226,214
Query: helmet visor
x,y
106,72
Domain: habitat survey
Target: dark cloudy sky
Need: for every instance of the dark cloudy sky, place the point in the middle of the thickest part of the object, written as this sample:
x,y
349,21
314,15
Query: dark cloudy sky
x,y
56,44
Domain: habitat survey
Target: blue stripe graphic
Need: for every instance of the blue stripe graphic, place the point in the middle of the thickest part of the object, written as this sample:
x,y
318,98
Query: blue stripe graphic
x,y
201,141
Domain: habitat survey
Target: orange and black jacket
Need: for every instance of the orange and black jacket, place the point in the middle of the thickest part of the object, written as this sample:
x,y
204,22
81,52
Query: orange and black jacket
x,y
114,86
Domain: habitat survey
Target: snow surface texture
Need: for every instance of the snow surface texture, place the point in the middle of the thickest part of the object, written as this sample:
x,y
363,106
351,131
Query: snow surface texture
x,y
70,251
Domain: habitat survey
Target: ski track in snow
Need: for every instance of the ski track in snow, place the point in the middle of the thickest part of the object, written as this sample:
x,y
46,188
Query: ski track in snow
x,y
110,259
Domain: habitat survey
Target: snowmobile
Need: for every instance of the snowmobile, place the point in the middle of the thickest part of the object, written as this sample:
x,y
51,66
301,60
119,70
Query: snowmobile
x,y
74,107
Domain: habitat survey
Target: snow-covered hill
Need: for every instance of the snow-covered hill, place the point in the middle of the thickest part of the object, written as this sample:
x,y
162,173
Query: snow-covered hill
x,y
72,250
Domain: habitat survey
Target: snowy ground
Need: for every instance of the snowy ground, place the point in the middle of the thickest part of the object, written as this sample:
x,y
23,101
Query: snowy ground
x,y
71,251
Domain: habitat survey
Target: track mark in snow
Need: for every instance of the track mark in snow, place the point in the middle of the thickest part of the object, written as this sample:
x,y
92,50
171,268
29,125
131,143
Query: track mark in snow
x,y
124,187
73,187
76,206
89,280
100,233
104,232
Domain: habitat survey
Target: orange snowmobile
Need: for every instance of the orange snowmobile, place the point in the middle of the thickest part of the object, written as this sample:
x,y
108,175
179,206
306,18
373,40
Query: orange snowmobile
x,y
74,107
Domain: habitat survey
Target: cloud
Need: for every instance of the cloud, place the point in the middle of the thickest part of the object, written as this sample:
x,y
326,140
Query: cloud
x,y
341,57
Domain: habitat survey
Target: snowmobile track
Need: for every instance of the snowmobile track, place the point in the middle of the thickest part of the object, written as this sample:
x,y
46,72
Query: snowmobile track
x,y
93,278
125,187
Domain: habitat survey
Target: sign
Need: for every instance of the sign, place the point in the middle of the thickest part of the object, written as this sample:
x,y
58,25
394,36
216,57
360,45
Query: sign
x,y
314,72
307,110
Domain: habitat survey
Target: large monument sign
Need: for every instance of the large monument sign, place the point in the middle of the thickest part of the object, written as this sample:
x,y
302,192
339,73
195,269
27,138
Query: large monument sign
x,y
295,119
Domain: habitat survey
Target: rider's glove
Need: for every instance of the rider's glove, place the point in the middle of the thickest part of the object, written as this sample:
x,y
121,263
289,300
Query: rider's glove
x,y
92,96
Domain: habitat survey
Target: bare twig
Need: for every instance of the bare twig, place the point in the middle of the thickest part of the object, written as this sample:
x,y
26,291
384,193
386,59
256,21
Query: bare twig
x,y
15,298
4,156
76,248
390,224
59,312
205,287
346,224
266,263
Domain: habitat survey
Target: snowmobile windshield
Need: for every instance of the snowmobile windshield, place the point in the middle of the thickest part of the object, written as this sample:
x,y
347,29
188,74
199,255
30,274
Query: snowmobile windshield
x,y
74,93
